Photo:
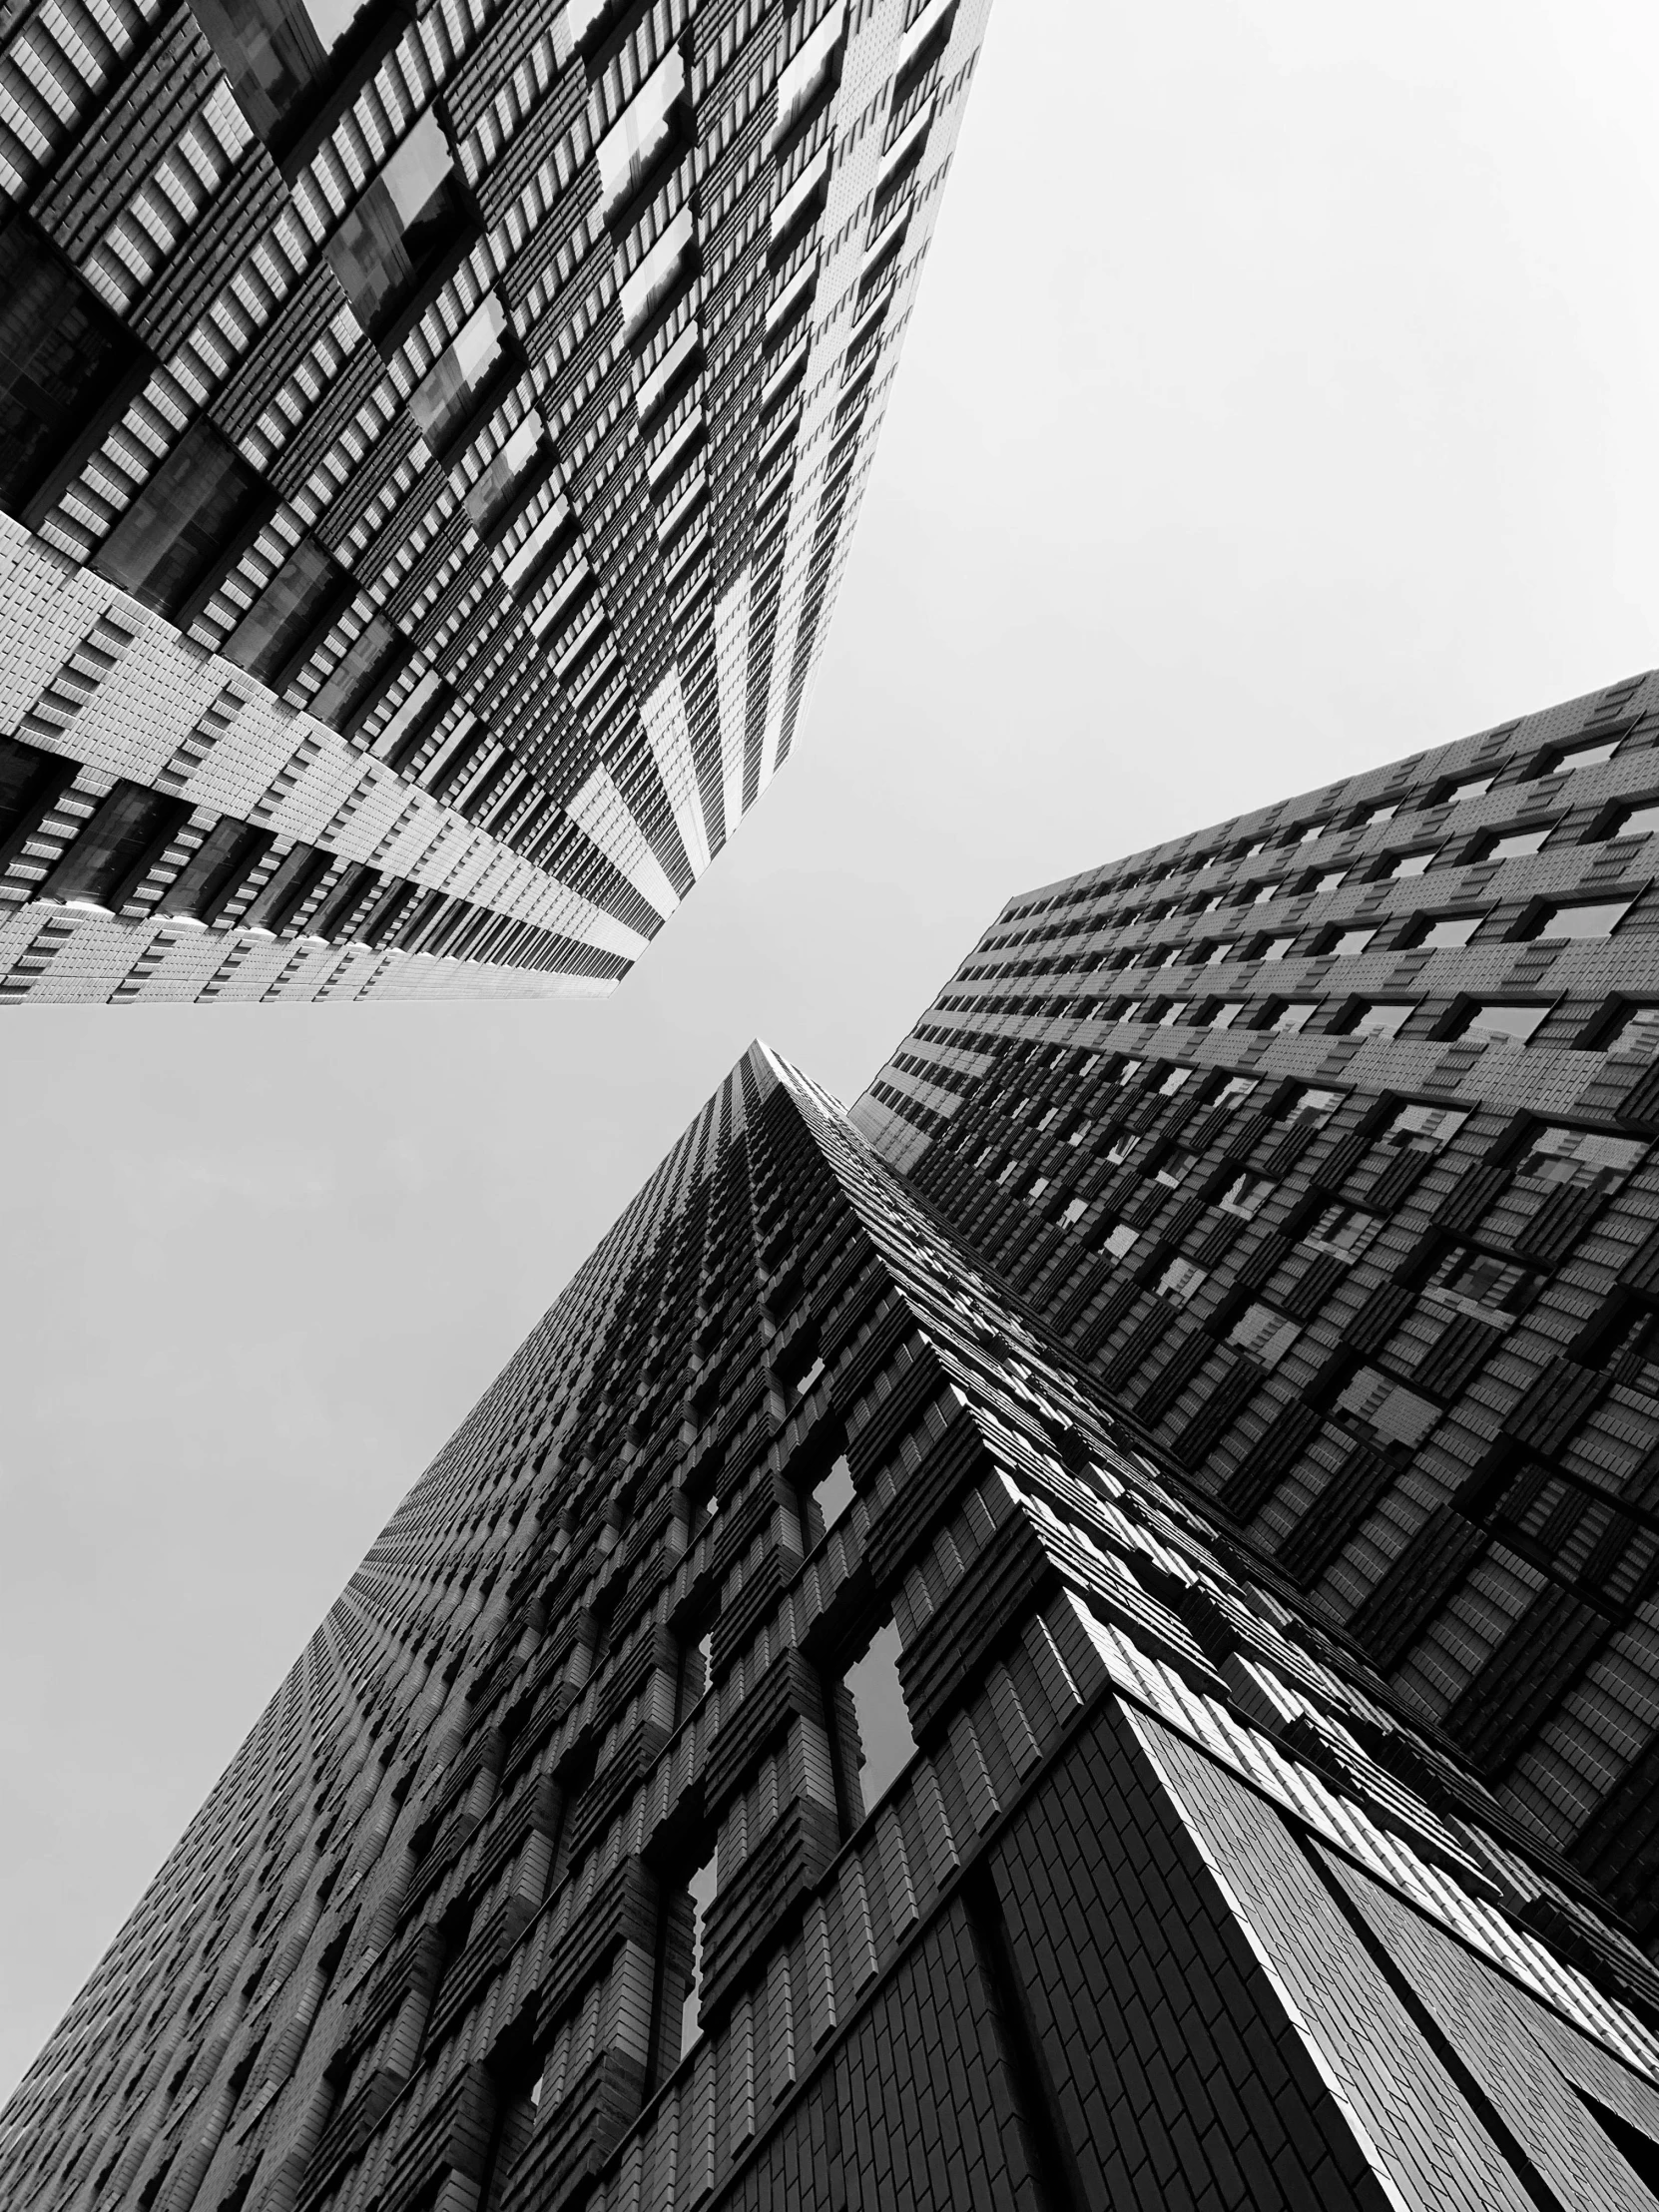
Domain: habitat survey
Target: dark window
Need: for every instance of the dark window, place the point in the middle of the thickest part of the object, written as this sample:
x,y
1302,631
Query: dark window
x,y
409,214
364,666
61,354
456,381
111,855
192,509
215,870
286,612
295,880
29,781
278,54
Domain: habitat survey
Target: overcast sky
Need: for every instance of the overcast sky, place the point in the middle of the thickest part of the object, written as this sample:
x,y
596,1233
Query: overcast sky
x,y
1281,399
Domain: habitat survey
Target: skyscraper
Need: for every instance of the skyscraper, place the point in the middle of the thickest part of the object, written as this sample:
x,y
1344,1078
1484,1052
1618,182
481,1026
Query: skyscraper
x,y
429,444
551,1876
1323,1138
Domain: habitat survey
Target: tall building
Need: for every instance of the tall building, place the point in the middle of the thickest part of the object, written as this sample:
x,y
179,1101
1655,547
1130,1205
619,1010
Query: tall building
x,y
1324,1140
555,1875
429,442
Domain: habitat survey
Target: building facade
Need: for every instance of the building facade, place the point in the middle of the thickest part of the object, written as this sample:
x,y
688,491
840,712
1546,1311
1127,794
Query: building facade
x,y
556,1874
429,442
1325,1139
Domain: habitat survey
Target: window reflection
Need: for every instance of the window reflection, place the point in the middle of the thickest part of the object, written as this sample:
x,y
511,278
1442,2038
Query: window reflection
x,y
277,54
60,351
284,614
457,379
189,512
408,213
495,488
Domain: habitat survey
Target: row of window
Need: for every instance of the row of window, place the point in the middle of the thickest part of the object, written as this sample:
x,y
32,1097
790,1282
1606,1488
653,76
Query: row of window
x,y
1585,752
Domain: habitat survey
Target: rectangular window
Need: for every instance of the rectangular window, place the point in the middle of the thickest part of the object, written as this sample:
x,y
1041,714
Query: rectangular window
x,y
1583,1157
1175,1010
1313,834
1637,1036
1246,1195
1515,844
1342,1231
1181,1281
277,54
1637,821
62,353
642,132
1395,1416
1222,950
1439,931
1332,883
286,612
1276,947
1265,894
1374,815
1120,1241
1291,1015
1512,1026
1177,1079
453,386
1477,1283
1226,1015
1402,865
191,511
1314,1106
1235,1091
1349,941
1425,1128
1265,1334
1472,787
410,211
1583,755
214,871
368,656
127,833
1379,1018
1583,919
1075,1209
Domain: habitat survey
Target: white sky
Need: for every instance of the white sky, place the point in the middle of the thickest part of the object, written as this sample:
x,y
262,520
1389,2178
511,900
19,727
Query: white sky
x,y
1279,401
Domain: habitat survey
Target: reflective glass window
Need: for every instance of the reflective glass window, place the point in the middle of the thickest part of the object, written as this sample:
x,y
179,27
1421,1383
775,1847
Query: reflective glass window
x,y
189,510
456,381
407,214
286,612
60,352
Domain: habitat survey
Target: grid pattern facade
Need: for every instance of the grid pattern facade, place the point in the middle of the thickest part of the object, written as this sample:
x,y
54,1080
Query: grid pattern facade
x,y
548,1879
430,444
1324,1138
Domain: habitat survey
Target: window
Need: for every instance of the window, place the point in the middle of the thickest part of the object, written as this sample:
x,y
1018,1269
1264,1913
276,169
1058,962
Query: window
x,y
1235,1091
1039,1184
1265,895
1120,1241
1075,1209
1274,948
128,831
1349,941
189,512
1484,1024
1634,1035
1175,1080
1472,787
1120,1148
286,612
1398,865
365,667
1582,756
834,1493
215,872
702,1886
410,211
1246,1195
1314,1106
1342,1231
1265,1334
885,1737
1512,845
1425,1128
1174,1168
1174,1011
1314,832
277,54
1636,821
1374,815
643,131
1378,1019
1286,1016
1588,918
61,355
1477,1283
1394,1415
451,389
1222,950
1181,1281
1226,1015
498,487
1582,1157
1332,883
1433,932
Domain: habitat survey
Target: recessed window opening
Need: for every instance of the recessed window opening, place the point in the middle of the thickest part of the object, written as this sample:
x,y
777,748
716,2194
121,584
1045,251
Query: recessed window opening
x,y
1637,821
1583,755
701,1888
1586,920
886,1746
834,1493
1519,845
1511,1026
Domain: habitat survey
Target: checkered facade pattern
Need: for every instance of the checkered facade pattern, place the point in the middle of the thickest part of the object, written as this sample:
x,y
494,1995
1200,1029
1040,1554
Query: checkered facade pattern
x,y
431,439
548,1879
1324,1139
